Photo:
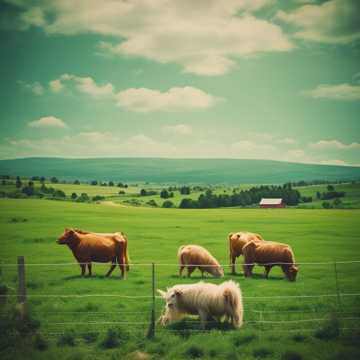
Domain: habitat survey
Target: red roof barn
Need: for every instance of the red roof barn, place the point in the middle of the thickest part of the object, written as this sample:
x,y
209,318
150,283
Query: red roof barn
x,y
272,203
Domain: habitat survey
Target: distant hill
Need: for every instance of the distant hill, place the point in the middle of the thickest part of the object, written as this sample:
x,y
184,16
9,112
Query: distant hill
x,y
209,171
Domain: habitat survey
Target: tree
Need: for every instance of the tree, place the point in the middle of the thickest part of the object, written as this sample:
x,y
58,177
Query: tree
x,y
111,183
18,183
76,182
121,192
167,204
143,192
93,182
330,188
318,195
185,190
83,197
152,202
73,196
164,194
326,205
54,180
59,194
338,203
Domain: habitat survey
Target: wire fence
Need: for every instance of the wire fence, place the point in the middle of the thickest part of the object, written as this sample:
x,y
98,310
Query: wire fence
x,y
270,306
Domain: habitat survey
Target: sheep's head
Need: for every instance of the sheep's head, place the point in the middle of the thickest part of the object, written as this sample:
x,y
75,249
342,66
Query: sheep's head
x,y
171,312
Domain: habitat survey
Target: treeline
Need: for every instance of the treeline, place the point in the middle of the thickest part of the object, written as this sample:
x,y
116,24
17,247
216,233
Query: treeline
x,y
320,182
330,194
243,198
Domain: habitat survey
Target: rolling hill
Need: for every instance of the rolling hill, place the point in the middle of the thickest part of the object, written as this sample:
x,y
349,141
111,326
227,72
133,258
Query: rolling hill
x,y
209,171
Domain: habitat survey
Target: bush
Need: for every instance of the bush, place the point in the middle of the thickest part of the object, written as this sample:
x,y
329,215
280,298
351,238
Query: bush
x,y
114,338
98,198
73,196
326,205
194,351
40,343
121,192
330,330
152,203
67,338
90,337
168,204
291,355
262,352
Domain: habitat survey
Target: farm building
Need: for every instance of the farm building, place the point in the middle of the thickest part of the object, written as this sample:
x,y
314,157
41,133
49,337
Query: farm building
x,y
272,203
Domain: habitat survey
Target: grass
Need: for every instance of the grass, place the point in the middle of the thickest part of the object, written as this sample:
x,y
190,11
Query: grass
x,y
155,235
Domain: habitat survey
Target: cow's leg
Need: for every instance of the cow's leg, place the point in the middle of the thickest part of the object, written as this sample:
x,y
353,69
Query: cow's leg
x,y
89,268
285,269
121,264
113,266
267,270
83,269
233,259
181,270
248,270
190,270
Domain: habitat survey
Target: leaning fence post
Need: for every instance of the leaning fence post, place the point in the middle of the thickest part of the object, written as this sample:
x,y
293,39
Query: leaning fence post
x,y
337,286
151,330
21,286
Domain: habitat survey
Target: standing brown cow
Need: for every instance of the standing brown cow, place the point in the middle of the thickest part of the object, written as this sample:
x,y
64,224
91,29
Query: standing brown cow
x,y
118,234
236,243
269,254
88,247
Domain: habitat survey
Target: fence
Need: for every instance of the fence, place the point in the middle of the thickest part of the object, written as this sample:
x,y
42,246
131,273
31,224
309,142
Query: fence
x,y
300,310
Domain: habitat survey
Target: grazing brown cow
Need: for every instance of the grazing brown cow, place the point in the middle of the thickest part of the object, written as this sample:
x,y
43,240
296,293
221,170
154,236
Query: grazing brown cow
x,y
236,243
194,256
118,234
92,247
269,254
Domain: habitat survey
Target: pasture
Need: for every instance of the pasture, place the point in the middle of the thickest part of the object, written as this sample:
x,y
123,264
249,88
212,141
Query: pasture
x,y
64,302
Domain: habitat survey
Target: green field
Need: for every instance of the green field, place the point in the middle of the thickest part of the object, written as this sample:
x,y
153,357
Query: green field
x,y
30,227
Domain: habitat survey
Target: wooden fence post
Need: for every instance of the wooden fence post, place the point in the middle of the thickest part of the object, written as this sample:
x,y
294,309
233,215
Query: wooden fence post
x,y
337,286
151,330
21,286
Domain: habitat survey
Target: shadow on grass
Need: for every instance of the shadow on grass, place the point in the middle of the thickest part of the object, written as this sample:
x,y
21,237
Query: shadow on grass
x,y
190,326
229,277
93,277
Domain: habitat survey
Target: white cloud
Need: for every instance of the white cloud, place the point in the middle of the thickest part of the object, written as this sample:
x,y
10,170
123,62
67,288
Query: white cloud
x,y
203,37
287,141
334,144
334,162
179,129
56,85
333,21
345,92
35,87
86,85
174,99
49,122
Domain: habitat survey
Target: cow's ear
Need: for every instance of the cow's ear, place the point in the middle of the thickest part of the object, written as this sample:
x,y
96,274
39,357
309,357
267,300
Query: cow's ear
x,y
161,292
178,292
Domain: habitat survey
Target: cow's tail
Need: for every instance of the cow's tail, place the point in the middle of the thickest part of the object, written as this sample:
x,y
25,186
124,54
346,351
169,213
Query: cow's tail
x,y
179,253
230,249
126,253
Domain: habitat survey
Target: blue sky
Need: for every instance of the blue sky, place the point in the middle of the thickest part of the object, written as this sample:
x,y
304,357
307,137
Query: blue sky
x,y
260,79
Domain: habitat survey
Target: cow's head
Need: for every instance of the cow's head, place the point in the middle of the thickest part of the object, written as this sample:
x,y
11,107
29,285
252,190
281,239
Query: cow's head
x,y
69,237
292,273
171,313
217,271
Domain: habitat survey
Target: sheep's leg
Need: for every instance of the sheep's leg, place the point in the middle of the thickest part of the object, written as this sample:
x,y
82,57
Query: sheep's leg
x,y
203,318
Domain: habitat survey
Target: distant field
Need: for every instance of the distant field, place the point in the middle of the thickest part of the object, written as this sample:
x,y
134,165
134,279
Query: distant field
x,y
30,227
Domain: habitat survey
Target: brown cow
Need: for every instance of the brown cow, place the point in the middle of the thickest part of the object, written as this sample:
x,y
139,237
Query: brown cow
x,y
236,243
269,254
118,234
92,247
194,256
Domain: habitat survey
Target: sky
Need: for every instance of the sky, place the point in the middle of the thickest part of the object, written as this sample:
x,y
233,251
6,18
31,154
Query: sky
x,y
252,79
